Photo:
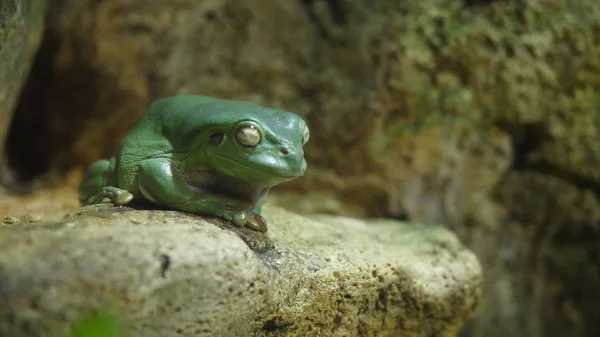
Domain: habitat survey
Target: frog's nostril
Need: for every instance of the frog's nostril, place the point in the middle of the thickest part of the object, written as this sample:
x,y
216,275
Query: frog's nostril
x,y
284,151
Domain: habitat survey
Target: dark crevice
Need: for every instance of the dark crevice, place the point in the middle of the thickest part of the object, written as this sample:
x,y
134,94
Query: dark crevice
x,y
56,104
336,12
335,7
400,217
582,183
314,18
275,325
527,139
28,137
479,2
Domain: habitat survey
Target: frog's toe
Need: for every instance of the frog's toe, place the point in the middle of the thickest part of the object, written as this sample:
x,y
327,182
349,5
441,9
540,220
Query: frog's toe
x,y
239,219
257,223
114,195
123,198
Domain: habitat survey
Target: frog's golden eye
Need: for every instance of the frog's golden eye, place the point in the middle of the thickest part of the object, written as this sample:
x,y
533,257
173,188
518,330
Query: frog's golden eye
x,y
248,136
305,135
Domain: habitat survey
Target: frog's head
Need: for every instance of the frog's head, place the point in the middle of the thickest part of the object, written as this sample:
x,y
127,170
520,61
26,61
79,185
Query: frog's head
x,y
267,151
256,144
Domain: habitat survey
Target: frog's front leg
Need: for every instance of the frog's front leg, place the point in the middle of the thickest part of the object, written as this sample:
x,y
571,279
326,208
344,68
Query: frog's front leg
x,y
99,185
254,219
160,182
257,222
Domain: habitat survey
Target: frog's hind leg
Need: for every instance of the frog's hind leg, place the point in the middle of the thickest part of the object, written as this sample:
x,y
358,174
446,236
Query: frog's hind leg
x,y
98,185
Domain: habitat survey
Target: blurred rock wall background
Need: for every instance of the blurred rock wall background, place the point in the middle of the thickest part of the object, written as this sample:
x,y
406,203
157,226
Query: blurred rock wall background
x,y
481,115
21,25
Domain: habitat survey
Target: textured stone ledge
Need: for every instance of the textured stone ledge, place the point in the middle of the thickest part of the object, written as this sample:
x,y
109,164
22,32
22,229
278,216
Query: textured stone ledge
x,y
172,274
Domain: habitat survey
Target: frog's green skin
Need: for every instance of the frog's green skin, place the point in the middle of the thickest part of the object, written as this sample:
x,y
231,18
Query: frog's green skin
x,y
199,154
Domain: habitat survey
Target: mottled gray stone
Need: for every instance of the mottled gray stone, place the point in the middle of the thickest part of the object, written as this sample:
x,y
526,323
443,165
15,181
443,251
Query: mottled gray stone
x,y
172,274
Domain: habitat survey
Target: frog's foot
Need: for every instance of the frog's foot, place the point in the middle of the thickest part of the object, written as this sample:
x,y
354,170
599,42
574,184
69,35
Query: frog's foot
x,y
114,195
250,219
257,223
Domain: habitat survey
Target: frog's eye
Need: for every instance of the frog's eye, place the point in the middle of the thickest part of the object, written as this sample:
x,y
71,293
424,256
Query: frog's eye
x,y
248,136
305,135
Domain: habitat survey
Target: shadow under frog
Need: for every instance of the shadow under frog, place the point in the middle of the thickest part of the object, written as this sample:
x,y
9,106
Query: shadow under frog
x,y
202,155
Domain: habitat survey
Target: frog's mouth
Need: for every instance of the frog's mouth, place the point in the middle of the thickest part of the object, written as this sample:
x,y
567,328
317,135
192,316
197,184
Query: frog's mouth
x,y
271,173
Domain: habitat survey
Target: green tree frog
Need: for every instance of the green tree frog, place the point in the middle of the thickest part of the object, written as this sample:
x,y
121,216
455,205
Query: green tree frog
x,y
202,155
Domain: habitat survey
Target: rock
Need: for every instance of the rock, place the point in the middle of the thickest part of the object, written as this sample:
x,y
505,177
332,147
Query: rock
x,y
21,25
480,115
168,274
48,204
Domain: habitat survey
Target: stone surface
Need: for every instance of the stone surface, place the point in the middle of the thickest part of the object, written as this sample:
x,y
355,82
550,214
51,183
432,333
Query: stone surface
x,y
168,274
480,115
21,24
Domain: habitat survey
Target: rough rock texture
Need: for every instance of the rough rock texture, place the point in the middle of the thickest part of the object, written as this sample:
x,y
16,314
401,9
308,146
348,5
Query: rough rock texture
x,y
21,23
481,115
170,274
